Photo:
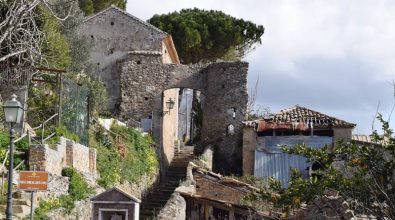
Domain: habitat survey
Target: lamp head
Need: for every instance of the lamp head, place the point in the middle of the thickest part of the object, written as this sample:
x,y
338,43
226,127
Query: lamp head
x,y
13,110
170,104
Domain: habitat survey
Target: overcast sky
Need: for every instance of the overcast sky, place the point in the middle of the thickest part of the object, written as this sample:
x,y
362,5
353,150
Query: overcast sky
x,y
336,57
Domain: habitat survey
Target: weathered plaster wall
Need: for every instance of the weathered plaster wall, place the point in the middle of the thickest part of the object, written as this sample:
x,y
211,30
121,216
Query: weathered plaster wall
x,y
223,84
113,34
66,153
170,125
166,58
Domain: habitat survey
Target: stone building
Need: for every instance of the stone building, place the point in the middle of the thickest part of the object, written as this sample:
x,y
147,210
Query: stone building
x,y
116,34
262,155
141,69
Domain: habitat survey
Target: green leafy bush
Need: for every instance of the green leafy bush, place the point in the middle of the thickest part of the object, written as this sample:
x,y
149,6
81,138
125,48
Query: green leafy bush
x,y
78,187
78,190
20,145
45,206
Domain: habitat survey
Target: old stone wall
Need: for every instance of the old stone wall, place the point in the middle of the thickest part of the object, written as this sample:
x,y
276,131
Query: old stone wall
x,y
66,153
223,84
113,33
224,111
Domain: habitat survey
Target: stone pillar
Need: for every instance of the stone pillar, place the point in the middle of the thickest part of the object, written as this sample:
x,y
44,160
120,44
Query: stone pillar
x,y
341,134
249,146
69,153
37,157
92,160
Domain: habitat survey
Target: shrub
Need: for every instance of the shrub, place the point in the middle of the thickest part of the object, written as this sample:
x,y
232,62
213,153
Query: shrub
x,y
45,206
78,187
115,168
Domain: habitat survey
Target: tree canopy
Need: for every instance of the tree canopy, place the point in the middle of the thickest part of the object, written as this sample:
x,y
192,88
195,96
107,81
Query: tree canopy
x,y
94,6
203,36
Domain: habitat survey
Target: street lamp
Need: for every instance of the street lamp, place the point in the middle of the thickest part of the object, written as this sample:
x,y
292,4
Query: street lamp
x,y
169,105
13,112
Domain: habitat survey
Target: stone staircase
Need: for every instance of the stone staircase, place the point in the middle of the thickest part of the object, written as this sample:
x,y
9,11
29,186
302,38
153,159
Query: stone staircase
x,y
175,174
20,206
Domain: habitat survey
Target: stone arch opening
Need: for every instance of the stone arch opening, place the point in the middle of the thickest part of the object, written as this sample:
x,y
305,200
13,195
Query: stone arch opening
x,y
182,114
224,86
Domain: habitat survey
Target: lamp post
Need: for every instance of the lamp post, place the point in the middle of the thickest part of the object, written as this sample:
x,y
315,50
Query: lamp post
x,y
13,112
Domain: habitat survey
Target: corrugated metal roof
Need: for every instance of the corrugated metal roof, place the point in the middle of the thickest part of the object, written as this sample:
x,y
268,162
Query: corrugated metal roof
x,y
366,139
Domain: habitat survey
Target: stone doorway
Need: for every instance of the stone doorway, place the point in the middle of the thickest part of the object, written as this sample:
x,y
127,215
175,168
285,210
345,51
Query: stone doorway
x,y
224,85
181,120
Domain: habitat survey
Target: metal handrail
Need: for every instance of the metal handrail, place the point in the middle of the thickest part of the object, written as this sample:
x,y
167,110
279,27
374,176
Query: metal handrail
x,y
43,128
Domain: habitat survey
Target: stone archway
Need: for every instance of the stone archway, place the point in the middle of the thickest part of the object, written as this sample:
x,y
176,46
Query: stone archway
x,y
224,85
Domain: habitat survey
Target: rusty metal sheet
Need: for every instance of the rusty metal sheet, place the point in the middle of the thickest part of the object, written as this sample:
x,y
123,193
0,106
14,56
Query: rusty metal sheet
x,y
265,125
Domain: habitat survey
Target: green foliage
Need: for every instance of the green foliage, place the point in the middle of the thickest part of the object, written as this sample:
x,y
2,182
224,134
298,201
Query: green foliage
x,y
78,187
41,103
20,145
97,92
55,47
63,131
99,5
78,190
86,6
45,206
202,36
364,175
197,114
60,131
114,168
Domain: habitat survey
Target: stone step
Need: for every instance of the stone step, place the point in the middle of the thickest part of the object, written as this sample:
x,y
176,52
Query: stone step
x,y
14,216
21,202
174,175
17,209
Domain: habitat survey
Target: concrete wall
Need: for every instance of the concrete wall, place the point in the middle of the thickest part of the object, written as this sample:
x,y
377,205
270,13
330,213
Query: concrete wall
x,y
342,134
223,84
113,34
65,154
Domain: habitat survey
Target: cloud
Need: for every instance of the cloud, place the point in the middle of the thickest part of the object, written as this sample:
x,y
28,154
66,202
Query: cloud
x,y
333,56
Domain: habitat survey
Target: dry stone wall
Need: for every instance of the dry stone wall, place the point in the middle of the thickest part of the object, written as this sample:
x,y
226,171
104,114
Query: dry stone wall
x,y
224,85
66,153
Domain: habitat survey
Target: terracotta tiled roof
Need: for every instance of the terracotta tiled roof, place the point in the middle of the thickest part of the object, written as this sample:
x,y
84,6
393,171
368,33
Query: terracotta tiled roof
x,y
298,114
